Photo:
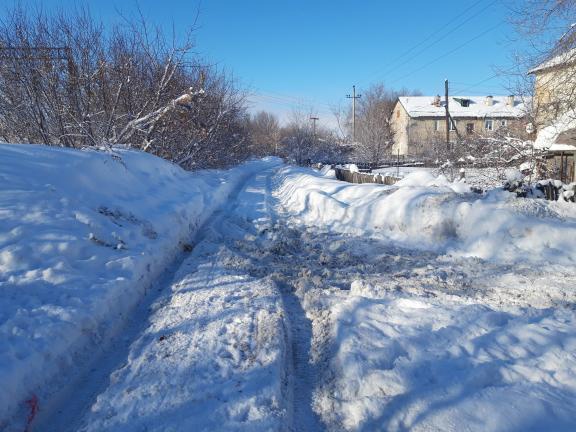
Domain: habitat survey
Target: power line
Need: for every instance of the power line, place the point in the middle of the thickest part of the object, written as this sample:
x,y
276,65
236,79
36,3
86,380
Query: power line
x,y
422,42
449,52
34,53
461,91
292,105
286,102
299,100
491,77
393,69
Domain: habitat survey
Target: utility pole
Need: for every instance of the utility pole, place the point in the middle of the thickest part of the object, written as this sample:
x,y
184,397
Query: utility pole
x,y
448,121
353,97
447,118
314,120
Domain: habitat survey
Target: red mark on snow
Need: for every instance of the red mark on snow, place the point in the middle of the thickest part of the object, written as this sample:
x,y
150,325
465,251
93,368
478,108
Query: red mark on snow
x,y
33,406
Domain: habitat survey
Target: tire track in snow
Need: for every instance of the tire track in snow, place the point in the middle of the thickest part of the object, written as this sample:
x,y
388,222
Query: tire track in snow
x,y
303,373
64,411
66,408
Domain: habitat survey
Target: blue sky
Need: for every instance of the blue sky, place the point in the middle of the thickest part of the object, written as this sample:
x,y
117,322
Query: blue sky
x,y
307,54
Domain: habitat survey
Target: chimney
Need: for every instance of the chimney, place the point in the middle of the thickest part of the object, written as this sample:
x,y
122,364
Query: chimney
x,y
510,101
436,101
489,101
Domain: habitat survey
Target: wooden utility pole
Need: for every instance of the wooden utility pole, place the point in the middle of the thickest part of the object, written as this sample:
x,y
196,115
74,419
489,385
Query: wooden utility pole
x,y
314,120
447,118
353,97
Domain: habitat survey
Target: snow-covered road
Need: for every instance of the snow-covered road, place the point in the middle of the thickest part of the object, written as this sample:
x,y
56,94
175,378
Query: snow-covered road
x,y
210,352
307,304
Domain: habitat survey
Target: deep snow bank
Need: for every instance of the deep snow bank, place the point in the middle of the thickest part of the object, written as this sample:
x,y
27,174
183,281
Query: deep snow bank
x,y
431,213
82,235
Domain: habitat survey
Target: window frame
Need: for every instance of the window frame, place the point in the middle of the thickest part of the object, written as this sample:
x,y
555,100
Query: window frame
x,y
489,121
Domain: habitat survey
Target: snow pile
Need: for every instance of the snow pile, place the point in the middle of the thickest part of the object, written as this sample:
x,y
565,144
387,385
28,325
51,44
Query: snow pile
x,y
82,235
427,179
328,171
425,212
419,364
483,178
351,167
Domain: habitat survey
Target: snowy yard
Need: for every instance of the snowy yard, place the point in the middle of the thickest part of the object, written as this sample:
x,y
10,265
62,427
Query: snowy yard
x,y
484,178
137,296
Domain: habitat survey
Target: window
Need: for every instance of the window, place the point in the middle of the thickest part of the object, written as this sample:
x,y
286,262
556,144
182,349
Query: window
x,y
436,125
452,125
488,125
469,128
503,123
397,113
463,102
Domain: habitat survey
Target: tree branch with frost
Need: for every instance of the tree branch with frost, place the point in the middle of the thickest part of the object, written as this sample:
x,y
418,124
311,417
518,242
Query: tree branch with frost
x,y
148,122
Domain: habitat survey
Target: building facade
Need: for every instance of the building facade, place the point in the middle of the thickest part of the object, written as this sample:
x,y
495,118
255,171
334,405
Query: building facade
x,y
419,122
555,114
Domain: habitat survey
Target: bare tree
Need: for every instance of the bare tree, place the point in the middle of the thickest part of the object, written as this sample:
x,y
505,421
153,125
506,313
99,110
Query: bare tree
x,y
374,133
298,140
128,84
265,133
549,27
373,130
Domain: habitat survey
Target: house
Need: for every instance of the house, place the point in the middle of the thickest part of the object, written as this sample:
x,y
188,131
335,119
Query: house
x,y
419,122
555,114
554,83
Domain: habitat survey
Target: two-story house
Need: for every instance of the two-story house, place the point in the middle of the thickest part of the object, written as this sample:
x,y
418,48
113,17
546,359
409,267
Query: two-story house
x,y
555,113
419,122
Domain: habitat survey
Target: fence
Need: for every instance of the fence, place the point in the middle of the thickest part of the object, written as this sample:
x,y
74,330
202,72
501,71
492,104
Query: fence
x,y
556,190
358,177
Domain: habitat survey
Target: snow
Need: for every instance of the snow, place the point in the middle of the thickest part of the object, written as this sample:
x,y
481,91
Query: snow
x,y
430,213
328,171
560,59
82,235
547,136
483,178
422,106
562,148
427,364
213,354
434,337
137,296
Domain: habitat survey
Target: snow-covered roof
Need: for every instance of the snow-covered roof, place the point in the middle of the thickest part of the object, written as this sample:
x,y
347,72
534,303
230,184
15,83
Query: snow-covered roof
x,y
560,59
558,147
422,106
547,136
